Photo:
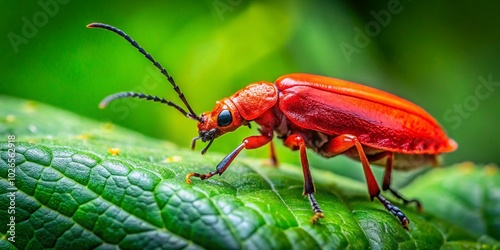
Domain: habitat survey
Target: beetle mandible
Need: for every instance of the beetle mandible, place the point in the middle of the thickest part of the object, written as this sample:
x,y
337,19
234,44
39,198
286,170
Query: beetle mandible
x,y
328,115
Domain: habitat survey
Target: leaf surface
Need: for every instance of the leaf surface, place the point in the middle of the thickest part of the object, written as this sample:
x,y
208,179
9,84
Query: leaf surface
x,y
71,192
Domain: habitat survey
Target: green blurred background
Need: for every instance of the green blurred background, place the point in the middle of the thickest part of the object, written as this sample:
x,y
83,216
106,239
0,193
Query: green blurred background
x,y
441,56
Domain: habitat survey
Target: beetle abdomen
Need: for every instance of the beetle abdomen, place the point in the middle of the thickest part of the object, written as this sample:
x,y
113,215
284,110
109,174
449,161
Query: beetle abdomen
x,y
382,121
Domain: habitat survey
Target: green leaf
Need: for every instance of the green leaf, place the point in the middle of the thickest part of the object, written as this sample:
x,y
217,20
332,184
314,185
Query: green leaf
x,y
73,193
464,195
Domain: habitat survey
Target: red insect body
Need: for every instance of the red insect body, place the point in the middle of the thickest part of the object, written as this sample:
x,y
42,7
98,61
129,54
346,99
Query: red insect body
x,y
332,117
380,121
327,115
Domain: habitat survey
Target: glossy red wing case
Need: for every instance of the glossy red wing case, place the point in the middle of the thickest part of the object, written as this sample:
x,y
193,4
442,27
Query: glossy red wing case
x,y
378,119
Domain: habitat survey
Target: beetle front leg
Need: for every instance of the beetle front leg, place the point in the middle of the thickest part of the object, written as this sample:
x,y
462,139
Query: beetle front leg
x,y
250,142
295,141
344,142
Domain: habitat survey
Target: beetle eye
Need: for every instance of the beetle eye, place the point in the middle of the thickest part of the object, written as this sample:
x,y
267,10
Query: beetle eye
x,y
224,118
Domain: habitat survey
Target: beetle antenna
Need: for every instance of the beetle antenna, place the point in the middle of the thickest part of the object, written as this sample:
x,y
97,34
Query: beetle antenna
x,y
113,97
191,113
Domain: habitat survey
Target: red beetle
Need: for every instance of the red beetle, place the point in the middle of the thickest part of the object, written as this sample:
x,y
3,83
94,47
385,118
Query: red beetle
x,y
327,115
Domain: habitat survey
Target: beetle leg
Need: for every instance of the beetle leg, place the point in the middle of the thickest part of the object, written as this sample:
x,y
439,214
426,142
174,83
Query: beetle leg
x,y
296,141
272,155
344,142
221,167
386,184
273,160
250,142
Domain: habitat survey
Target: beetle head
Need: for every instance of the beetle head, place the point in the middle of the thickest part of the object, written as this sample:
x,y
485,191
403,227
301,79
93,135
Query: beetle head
x,y
222,119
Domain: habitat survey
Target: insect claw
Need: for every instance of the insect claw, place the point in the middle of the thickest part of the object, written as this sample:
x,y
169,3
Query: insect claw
x,y
201,176
395,211
188,177
318,213
316,217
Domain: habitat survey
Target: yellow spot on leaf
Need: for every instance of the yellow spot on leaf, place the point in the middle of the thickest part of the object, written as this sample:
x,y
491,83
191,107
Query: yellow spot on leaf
x,y
174,158
29,106
10,118
107,127
491,169
83,137
467,167
114,151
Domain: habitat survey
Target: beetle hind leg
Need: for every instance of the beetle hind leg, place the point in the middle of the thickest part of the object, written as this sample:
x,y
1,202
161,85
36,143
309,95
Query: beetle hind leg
x,y
342,143
386,184
395,211
318,213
